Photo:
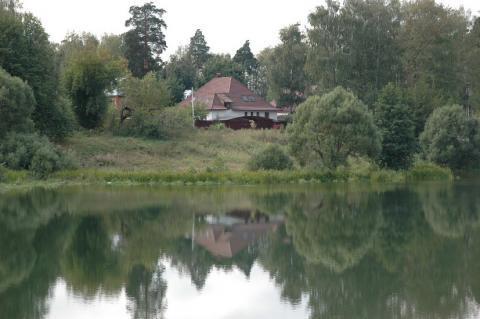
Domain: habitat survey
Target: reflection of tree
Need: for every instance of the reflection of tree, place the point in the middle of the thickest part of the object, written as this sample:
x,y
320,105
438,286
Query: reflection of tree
x,y
335,229
285,266
89,263
273,203
146,292
30,209
451,210
401,219
365,254
28,299
17,257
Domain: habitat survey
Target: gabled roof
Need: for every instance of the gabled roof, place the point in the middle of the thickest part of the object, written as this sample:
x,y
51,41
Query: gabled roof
x,y
222,93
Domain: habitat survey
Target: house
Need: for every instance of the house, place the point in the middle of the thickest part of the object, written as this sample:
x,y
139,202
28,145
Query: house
x,y
229,101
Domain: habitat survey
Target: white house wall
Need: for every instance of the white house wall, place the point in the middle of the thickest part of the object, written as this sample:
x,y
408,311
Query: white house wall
x,y
226,115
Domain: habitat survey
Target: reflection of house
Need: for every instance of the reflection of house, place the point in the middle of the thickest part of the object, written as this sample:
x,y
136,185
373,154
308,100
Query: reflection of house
x,y
228,239
230,102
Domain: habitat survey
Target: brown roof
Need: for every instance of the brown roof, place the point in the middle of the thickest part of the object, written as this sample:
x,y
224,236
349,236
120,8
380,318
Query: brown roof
x,y
221,91
226,243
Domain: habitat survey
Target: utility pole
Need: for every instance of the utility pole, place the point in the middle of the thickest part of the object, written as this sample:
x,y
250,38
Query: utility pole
x,y
193,108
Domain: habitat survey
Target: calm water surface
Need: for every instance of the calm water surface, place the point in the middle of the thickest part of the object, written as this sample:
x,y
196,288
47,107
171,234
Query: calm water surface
x,y
284,252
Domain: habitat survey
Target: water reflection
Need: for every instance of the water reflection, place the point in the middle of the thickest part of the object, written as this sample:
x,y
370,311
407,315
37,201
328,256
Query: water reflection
x,y
363,252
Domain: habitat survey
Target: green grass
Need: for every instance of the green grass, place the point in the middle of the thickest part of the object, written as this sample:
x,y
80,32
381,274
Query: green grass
x,y
202,150
205,158
252,178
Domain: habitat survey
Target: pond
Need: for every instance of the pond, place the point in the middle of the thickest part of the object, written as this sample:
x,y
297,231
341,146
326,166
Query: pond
x,y
338,251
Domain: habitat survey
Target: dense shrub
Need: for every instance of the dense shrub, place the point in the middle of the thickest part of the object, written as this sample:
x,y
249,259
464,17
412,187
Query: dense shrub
x,y
3,173
452,138
34,153
425,171
165,124
271,158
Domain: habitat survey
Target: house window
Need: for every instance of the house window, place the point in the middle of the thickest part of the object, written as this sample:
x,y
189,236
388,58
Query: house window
x,y
251,113
267,115
246,114
258,113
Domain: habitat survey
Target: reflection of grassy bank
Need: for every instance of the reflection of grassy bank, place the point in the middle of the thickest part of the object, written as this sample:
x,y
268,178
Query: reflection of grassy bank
x,y
116,176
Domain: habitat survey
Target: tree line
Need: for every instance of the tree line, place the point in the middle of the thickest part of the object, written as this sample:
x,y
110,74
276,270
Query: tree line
x,y
401,60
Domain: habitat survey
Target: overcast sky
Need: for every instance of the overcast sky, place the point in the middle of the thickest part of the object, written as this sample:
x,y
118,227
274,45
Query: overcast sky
x,y
225,23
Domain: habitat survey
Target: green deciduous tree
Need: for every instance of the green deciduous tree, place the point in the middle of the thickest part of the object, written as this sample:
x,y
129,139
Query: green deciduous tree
x,y
26,53
355,46
432,38
259,83
452,138
395,121
147,94
180,72
145,41
286,74
327,130
17,104
471,96
86,79
325,51
223,65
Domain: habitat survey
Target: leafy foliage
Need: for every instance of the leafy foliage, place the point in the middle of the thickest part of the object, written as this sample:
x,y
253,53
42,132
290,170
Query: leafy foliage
x,y
86,79
164,124
394,119
286,74
26,53
452,138
327,130
223,65
16,105
270,158
147,94
34,153
354,46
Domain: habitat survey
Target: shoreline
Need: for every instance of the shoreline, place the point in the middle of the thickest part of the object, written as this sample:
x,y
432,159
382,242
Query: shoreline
x,y
424,172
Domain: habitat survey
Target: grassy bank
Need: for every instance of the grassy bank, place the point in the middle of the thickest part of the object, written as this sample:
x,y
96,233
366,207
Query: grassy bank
x,y
205,158
114,176
214,149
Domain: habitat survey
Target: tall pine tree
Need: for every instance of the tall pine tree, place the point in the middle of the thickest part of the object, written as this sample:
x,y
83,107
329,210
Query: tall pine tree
x,y
145,41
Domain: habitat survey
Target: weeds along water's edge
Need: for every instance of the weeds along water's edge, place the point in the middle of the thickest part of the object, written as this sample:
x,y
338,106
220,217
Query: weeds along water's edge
x,y
424,172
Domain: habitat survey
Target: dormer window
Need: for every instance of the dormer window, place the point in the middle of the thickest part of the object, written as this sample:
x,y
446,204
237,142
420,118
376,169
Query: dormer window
x,y
228,105
249,98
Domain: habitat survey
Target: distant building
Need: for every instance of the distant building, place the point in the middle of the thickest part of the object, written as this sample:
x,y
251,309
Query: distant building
x,y
229,101
117,98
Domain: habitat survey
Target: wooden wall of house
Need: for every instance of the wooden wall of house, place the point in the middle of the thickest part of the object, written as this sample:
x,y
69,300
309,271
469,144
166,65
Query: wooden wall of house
x,y
242,123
